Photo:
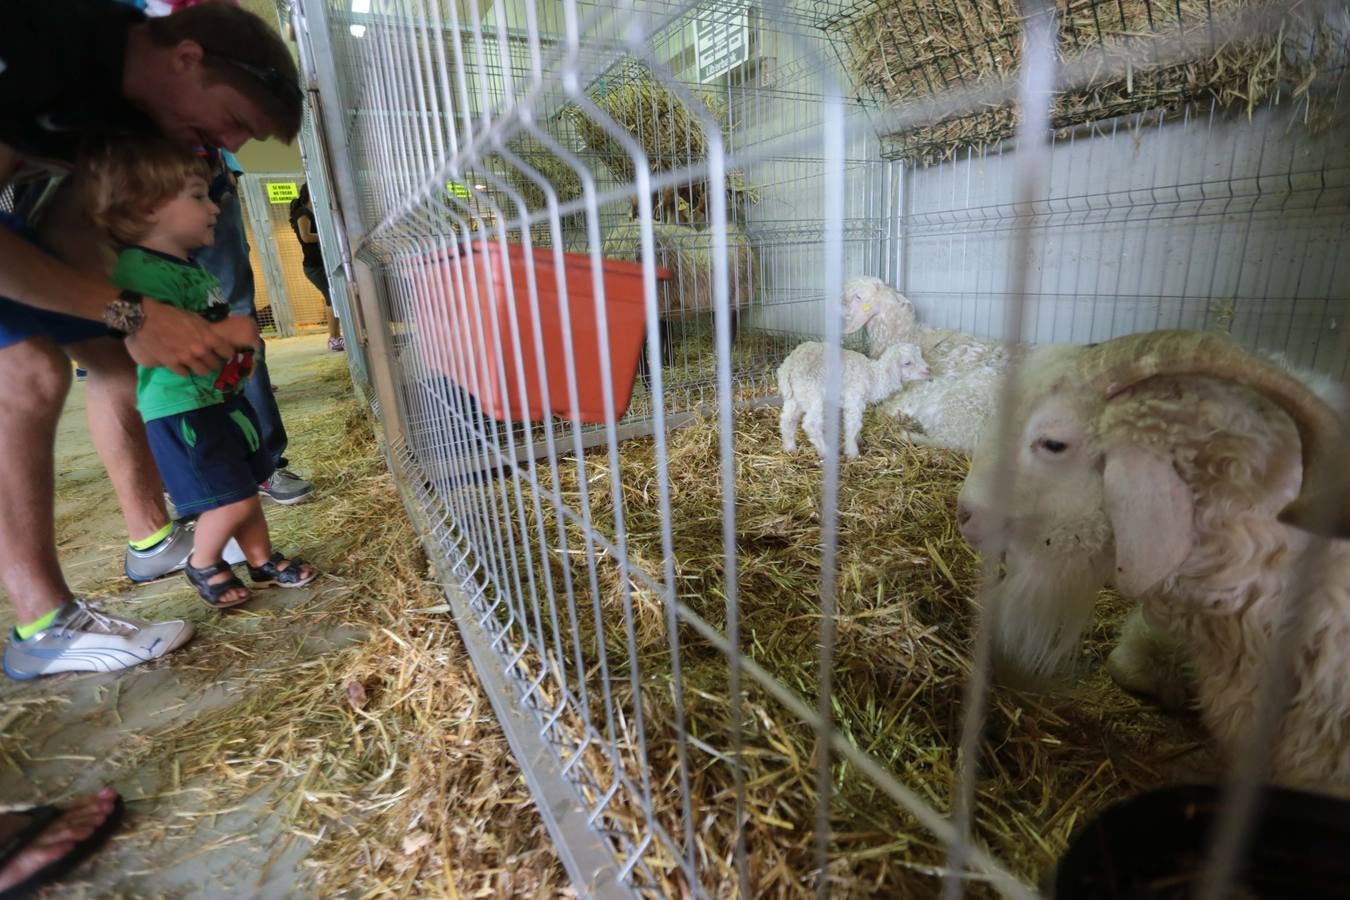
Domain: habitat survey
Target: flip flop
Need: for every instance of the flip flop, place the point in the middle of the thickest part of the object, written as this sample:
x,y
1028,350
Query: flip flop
x,y
43,816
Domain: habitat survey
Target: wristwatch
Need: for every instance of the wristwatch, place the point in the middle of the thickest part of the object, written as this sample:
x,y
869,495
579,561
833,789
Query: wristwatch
x,y
126,314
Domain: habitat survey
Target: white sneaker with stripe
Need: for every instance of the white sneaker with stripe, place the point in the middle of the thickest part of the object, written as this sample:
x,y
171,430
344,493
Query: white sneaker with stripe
x,y
83,639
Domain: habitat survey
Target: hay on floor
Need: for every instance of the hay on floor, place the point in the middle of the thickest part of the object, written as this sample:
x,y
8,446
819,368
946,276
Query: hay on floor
x,y
910,50
906,582
383,753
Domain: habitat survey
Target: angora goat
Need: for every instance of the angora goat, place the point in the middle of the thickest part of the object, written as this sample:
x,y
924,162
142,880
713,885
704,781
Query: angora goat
x,y
955,403
1189,473
801,381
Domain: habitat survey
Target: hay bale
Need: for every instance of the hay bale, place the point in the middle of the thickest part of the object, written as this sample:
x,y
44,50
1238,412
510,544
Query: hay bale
x,y
670,133
564,180
671,136
907,50
687,252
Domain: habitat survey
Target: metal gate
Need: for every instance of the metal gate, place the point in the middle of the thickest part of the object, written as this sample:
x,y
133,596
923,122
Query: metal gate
x,y
506,188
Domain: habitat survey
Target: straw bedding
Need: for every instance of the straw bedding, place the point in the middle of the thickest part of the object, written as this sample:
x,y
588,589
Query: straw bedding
x,y
384,752
906,580
909,50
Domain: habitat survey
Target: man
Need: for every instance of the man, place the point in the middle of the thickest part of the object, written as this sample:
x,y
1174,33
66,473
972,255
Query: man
x,y
212,76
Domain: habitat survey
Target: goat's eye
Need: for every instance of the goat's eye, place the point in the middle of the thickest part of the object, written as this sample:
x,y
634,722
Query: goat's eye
x,y
1050,445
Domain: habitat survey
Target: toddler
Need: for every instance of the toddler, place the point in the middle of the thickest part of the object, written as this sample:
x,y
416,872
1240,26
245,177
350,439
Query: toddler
x,y
151,197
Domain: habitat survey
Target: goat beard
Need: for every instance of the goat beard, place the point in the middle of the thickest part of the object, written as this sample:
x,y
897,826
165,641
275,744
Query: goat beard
x,y
1039,608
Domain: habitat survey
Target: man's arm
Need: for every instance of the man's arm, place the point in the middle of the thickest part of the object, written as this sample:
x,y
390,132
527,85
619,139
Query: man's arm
x,y
35,278
170,338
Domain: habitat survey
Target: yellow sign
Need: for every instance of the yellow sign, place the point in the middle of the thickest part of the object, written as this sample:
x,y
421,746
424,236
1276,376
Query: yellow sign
x,y
282,191
455,189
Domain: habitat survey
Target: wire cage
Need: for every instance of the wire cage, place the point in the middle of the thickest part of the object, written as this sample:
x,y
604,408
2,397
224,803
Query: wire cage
x,y
730,670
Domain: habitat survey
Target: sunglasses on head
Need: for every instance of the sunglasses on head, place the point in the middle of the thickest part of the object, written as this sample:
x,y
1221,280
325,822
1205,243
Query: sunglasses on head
x,y
269,76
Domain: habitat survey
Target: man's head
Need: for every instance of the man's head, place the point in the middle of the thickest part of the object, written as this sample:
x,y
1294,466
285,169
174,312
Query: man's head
x,y
213,75
135,187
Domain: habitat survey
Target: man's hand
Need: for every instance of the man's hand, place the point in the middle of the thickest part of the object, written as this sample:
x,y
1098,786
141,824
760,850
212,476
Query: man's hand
x,y
179,341
240,331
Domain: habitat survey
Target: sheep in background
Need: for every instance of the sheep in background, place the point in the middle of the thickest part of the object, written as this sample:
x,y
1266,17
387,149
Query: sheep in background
x,y
954,404
1183,470
801,382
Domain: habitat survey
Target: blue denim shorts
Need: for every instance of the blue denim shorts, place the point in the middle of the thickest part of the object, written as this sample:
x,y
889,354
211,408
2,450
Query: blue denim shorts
x,y
210,457
19,322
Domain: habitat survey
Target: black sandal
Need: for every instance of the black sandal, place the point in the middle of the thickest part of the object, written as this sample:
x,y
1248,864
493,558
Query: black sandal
x,y
211,593
268,574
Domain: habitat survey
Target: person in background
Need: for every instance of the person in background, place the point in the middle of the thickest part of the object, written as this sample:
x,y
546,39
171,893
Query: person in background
x,y
228,260
302,223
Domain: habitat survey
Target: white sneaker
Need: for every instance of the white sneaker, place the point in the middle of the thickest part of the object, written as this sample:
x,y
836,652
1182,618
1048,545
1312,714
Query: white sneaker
x,y
170,555
82,639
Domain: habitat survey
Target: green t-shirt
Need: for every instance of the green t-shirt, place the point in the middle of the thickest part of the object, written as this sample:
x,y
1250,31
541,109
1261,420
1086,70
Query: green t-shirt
x,y
159,392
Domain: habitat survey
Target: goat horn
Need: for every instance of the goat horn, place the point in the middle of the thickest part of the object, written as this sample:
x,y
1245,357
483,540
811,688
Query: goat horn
x,y
1323,504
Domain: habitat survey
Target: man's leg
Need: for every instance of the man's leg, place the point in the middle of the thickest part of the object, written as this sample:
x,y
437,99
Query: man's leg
x,y
36,376
258,392
119,435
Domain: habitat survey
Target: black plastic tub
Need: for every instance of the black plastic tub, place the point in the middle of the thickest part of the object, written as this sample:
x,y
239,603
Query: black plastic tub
x,y
1152,847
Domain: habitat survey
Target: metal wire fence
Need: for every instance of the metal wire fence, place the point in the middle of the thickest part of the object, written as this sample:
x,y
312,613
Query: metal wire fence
x,y
572,242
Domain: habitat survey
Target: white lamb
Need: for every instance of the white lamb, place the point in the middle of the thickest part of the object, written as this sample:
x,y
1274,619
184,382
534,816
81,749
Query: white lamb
x,y
953,406
1188,473
801,381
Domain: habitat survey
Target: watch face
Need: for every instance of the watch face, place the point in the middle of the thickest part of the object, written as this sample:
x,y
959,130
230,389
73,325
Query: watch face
x,y
125,315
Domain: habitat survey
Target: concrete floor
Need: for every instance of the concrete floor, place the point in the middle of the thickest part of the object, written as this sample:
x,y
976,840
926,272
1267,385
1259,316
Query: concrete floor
x,y
71,733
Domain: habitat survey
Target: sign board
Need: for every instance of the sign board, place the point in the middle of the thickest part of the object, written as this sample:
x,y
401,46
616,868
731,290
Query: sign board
x,y
721,41
455,189
282,191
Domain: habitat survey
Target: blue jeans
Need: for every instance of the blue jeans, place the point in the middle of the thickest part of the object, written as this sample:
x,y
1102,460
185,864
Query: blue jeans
x,y
227,259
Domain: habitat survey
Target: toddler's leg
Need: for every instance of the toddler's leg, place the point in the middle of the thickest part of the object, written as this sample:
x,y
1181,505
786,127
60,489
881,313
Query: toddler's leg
x,y
252,534
257,544
215,527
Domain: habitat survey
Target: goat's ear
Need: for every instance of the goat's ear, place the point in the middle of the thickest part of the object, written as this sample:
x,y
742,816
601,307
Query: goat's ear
x,y
1151,511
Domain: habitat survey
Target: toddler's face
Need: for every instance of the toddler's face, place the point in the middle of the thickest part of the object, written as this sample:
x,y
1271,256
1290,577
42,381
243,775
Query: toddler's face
x,y
188,221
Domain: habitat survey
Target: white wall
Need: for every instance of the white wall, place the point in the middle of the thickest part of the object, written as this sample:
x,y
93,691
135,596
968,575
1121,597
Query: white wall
x,y
1193,223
